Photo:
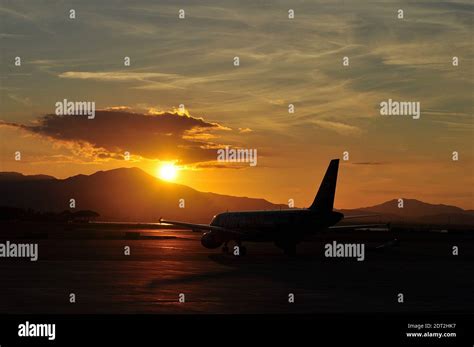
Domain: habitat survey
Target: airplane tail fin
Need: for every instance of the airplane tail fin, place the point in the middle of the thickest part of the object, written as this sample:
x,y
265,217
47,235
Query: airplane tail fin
x,y
324,200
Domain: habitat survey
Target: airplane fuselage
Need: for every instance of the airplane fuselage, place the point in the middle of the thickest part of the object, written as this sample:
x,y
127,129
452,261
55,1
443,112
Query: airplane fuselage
x,y
264,226
285,228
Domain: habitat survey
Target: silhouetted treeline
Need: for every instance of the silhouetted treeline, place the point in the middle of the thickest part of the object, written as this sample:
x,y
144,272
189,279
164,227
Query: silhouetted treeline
x,y
8,213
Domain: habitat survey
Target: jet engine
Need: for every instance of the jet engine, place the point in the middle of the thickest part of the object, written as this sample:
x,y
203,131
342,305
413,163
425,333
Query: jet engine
x,y
211,240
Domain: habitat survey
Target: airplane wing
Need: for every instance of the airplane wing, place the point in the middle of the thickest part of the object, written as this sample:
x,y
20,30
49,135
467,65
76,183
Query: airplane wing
x,y
361,216
225,231
359,226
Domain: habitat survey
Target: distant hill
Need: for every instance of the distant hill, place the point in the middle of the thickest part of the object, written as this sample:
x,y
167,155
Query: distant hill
x,y
16,176
8,213
416,211
126,194
412,208
130,194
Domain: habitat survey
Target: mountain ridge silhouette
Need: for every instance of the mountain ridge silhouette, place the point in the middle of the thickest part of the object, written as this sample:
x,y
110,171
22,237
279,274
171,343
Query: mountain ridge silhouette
x,y
131,194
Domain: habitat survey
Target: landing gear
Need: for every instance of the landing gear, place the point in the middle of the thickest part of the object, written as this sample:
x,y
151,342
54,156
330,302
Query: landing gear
x,y
225,248
290,250
242,250
288,247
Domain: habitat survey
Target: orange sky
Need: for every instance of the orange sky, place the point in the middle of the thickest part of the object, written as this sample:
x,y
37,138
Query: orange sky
x,y
282,61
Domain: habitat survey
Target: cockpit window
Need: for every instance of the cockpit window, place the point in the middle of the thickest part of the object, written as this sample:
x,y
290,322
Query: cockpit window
x,y
218,219
214,220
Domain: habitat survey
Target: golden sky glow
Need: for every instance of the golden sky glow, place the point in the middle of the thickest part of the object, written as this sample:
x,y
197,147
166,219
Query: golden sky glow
x,y
167,172
182,98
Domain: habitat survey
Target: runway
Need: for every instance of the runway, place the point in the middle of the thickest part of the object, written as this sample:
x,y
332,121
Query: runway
x,y
168,263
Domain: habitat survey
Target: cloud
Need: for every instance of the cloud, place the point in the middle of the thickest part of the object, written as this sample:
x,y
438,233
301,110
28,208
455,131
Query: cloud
x,y
216,165
166,136
21,100
155,80
117,108
369,163
340,128
114,75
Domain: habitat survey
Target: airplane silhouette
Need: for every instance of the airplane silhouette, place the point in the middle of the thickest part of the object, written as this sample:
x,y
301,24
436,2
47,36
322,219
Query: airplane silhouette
x,y
286,228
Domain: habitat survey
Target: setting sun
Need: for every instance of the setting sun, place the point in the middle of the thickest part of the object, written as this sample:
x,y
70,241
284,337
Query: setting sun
x,y
167,172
